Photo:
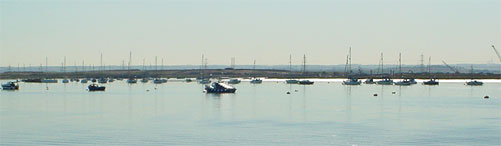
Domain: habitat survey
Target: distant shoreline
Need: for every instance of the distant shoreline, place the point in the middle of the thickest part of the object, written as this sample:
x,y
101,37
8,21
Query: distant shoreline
x,y
235,73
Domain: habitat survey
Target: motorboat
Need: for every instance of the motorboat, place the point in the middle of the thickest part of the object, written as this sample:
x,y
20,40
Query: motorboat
x,y
404,82
475,83
234,81
95,87
305,82
158,81
256,81
131,81
217,87
292,81
83,81
205,81
432,81
369,81
385,81
352,81
412,81
144,80
10,86
103,80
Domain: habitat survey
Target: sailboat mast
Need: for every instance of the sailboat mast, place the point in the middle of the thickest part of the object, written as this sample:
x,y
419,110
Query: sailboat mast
x,y
349,60
304,64
400,63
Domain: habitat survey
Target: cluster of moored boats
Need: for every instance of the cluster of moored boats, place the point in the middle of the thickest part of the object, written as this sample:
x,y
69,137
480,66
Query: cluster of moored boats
x,y
220,86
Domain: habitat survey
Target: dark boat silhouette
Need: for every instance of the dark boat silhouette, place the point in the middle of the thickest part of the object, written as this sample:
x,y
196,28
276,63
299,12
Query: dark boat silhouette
x,y
95,87
219,88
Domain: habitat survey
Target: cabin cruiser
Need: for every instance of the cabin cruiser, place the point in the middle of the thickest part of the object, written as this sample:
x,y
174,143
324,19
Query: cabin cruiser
x,y
369,81
217,87
131,81
306,82
292,81
234,81
95,87
352,81
256,81
10,86
474,83
404,82
49,81
432,81
385,81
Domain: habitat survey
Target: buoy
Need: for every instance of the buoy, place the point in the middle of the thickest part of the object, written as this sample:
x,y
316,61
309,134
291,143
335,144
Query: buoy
x,y
486,96
147,90
288,92
375,94
393,92
295,90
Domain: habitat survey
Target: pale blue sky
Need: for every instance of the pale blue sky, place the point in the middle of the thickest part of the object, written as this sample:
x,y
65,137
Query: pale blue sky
x,y
457,31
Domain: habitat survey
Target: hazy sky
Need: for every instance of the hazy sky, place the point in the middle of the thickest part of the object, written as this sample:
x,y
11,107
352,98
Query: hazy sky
x,y
180,31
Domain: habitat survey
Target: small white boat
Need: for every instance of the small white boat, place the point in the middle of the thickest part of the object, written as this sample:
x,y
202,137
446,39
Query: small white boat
x,y
157,81
66,81
369,81
475,83
352,81
131,81
103,80
144,80
256,81
234,81
205,81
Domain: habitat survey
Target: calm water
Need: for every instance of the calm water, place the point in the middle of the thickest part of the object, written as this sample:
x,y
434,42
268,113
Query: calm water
x,y
178,113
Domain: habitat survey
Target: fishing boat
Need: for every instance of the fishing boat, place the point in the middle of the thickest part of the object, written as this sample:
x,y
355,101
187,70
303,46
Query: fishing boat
x,y
95,87
352,81
385,81
474,83
369,81
10,86
432,81
256,81
234,81
404,82
217,87
305,82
